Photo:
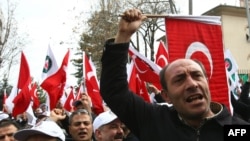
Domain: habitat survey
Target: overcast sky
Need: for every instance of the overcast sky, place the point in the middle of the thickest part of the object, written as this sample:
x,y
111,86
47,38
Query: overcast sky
x,y
51,21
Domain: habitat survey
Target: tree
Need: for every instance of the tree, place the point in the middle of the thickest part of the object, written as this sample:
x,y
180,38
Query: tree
x,y
152,26
103,24
11,42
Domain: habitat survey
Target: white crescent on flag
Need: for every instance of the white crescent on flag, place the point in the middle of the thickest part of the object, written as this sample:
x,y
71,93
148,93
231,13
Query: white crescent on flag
x,y
200,47
162,57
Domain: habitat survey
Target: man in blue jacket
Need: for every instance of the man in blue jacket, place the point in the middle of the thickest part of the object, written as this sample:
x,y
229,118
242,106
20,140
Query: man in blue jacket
x,y
184,85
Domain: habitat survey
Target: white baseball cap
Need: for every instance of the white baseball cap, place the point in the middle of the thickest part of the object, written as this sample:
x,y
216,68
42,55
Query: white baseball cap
x,y
49,128
3,115
103,118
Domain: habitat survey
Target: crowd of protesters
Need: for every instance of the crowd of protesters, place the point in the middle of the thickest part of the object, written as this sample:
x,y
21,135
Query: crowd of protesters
x,y
80,124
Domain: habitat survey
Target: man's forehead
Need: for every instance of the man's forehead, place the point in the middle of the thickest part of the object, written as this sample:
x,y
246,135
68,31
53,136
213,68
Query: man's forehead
x,y
182,62
82,116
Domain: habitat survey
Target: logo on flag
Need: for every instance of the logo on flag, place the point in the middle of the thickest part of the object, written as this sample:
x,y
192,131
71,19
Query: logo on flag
x,y
47,65
228,64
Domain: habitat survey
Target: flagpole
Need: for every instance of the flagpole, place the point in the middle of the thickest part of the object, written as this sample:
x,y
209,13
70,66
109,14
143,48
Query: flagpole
x,y
150,15
83,72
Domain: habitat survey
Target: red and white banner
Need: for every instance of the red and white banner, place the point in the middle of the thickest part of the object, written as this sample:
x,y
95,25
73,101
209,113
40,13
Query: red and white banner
x,y
200,37
92,85
68,105
136,84
147,70
23,98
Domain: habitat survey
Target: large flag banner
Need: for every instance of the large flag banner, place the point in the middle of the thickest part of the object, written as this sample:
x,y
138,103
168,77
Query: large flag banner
x,y
92,84
147,70
200,37
161,57
23,99
136,84
54,84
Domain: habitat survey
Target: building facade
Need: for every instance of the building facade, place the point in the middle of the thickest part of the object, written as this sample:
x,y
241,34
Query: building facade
x,y
235,32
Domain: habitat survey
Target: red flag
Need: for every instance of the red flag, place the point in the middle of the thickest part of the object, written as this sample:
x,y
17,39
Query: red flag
x,y
200,38
54,84
92,85
24,72
161,57
22,100
147,70
136,84
78,95
68,105
34,96
81,90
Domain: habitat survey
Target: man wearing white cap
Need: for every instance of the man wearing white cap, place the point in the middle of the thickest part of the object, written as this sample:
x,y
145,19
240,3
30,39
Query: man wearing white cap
x,y
42,131
107,127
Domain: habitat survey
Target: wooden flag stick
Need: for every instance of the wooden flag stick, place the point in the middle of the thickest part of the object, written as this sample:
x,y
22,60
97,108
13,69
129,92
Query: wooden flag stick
x,y
155,16
151,16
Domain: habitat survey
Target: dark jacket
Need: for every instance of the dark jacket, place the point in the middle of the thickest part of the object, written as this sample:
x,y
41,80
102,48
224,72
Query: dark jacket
x,y
244,96
130,137
242,105
151,122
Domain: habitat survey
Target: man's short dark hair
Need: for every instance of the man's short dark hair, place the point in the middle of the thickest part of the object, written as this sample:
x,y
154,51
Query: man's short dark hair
x,y
7,122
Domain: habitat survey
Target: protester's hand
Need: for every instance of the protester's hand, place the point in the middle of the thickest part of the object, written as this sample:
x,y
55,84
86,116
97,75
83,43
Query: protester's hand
x,y
57,114
86,101
152,88
129,23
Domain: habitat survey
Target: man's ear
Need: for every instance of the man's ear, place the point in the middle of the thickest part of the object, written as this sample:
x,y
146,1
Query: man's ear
x,y
165,96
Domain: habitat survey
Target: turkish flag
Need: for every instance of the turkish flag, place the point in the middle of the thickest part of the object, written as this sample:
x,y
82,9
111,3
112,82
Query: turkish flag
x,y
161,57
92,85
147,70
200,37
68,105
22,100
136,84
34,96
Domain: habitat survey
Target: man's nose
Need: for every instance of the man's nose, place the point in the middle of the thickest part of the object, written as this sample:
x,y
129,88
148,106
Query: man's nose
x,y
191,83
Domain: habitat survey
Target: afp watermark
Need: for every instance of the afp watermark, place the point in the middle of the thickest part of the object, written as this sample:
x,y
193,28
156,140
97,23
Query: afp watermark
x,y
239,132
